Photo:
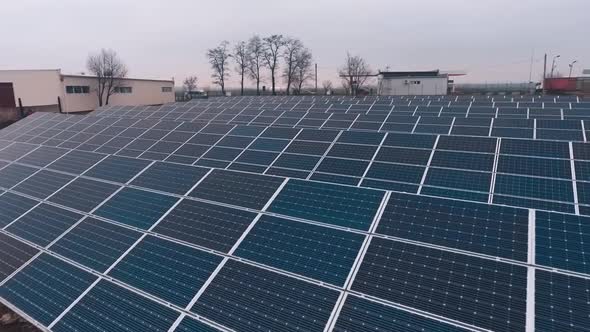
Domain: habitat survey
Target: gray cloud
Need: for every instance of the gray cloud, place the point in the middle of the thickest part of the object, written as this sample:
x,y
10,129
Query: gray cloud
x,y
492,40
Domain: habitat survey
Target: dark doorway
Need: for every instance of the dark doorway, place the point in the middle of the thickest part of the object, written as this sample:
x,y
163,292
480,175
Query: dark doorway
x,y
7,95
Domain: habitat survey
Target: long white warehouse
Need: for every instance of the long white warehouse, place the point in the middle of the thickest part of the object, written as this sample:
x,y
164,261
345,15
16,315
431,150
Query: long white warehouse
x,y
39,90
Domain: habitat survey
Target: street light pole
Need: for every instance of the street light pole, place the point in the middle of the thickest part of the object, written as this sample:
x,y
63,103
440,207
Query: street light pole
x,y
553,65
572,67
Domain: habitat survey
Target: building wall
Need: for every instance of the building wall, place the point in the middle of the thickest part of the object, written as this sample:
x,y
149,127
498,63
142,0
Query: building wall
x,y
417,86
33,87
143,92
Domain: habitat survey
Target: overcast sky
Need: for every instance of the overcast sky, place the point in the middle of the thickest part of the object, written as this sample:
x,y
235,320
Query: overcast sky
x,y
492,40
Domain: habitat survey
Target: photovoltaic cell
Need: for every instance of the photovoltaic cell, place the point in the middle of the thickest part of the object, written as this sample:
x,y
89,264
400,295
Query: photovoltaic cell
x,y
83,194
331,204
44,224
562,303
13,206
168,177
538,188
563,241
136,208
76,162
246,298
247,190
46,287
170,271
127,311
95,244
14,255
317,252
212,226
43,156
463,180
487,229
361,315
117,169
452,285
43,184
13,174
191,325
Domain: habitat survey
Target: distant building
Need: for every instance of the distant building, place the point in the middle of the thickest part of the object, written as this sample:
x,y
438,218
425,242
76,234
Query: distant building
x,y
412,83
579,86
39,90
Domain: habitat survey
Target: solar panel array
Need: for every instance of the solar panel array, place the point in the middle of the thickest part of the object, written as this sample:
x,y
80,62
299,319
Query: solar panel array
x,y
184,218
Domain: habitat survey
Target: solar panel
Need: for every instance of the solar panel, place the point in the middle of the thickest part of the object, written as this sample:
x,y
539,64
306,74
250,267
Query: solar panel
x,y
313,251
128,194
457,286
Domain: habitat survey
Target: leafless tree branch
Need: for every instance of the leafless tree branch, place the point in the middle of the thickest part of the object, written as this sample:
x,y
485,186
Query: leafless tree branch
x,y
219,60
256,55
272,52
242,59
109,69
354,73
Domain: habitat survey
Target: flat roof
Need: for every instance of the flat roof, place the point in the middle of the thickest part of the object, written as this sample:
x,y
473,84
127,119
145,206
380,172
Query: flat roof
x,y
124,78
86,76
428,73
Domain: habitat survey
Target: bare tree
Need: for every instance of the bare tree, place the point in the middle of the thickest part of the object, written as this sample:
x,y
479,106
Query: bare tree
x,y
219,60
354,73
291,52
256,57
272,52
190,84
109,69
303,71
327,86
242,59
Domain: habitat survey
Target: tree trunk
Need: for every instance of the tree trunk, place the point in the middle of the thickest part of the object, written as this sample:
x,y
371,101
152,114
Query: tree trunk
x,y
272,74
242,85
258,87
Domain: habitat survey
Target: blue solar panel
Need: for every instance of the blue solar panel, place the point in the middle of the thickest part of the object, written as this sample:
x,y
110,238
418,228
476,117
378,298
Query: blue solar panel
x,y
14,255
43,184
117,169
83,194
463,180
171,271
343,166
46,287
173,178
463,160
207,225
247,190
546,149
395,172
563,241
43,156
76,162
361,315
43,224
481,228
243,297
456,286
95,244
562,303
544,167
331,204
13,206
12,174
538,188
313,251
136,208
127,311
193,325
352,151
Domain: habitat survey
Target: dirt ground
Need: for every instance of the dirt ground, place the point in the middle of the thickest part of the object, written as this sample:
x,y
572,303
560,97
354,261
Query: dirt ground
x,y
19,325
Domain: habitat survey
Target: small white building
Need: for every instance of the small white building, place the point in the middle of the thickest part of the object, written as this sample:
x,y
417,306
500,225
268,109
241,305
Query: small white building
x,y
412,83
39,90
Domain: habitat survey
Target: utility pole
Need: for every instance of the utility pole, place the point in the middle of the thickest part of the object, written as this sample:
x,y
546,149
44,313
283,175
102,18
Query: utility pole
x,y
544,73
316,78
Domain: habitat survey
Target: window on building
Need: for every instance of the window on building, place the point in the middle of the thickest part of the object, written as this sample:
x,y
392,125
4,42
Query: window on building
x,y
77,89
166,89
123,89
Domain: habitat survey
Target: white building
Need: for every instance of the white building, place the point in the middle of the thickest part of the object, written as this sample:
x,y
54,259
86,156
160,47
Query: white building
x,y
412,83
39,90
